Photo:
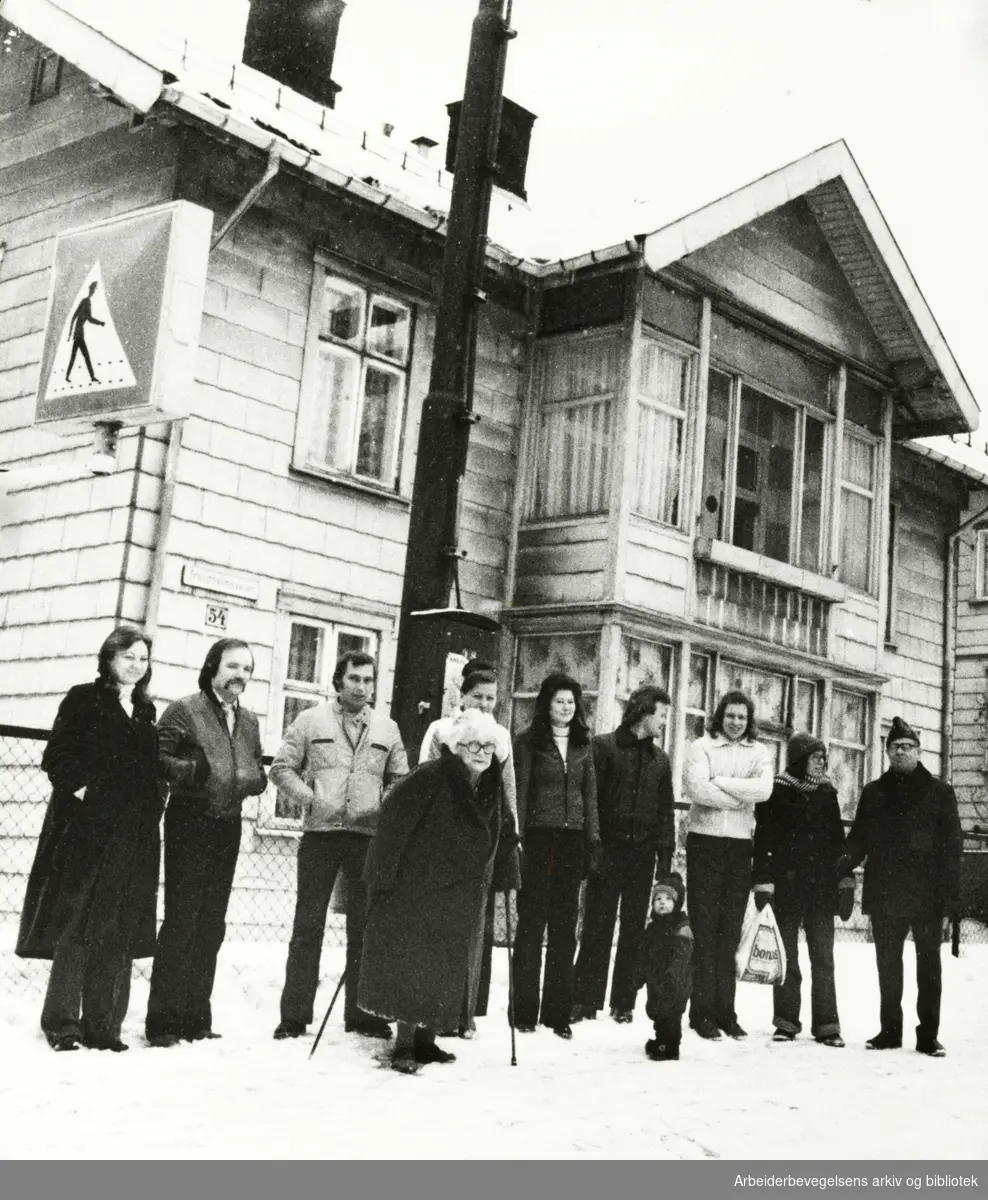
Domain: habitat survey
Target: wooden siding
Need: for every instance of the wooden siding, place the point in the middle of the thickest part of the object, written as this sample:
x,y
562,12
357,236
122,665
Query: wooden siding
x,y
969,751
75,554
562,563
927,500
781,265
659,561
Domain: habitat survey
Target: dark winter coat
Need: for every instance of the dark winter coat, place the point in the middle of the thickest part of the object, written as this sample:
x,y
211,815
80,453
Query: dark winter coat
x,y
553,794
427,874
95,872
210,771
635,800
908,830
799,837
665,966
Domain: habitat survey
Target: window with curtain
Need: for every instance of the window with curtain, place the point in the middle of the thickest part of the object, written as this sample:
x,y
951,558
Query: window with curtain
x,y
664,380
354,383
857,509
576,383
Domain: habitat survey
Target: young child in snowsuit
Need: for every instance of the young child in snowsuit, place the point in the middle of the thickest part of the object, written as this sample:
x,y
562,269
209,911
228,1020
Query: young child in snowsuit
x,y
665,967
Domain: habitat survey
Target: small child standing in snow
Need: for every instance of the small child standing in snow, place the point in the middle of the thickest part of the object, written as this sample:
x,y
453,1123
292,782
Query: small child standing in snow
x,y
665,967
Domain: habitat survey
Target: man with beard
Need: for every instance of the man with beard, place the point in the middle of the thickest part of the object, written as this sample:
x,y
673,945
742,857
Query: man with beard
x,y
210,751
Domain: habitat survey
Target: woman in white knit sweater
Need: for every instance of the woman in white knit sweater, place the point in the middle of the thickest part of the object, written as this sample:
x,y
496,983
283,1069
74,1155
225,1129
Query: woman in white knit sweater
x,y
728,772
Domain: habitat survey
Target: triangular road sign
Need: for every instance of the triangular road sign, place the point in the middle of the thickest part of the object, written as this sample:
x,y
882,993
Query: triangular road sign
x,y
89,357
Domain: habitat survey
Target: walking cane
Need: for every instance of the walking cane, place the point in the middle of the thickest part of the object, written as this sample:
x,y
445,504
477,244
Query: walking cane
x,y
511,977
328,1011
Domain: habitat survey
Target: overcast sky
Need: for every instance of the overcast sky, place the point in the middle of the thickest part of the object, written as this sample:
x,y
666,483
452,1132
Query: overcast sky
x,y
630,94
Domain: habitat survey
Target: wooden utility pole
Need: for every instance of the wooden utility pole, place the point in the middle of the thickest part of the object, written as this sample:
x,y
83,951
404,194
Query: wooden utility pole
x,y
447,412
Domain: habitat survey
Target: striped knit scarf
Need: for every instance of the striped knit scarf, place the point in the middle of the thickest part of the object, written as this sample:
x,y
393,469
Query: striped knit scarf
x,y
802,785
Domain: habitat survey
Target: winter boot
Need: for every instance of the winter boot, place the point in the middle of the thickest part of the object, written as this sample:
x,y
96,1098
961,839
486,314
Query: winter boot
x,y
662,1051
289,1029
887,1039
425,1049
405,1062
622,1016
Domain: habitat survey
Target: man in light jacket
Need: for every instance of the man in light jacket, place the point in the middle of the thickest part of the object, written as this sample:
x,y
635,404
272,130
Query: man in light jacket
x,y
335,762
728,772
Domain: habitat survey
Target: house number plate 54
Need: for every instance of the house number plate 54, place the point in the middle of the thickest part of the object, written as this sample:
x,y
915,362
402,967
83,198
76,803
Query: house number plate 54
x,y
216,615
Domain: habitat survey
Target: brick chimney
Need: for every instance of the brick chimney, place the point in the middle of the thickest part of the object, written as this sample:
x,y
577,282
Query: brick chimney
x,y
294,41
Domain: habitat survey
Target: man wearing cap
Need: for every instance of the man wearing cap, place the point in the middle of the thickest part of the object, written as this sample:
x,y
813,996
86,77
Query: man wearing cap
x,y
908,832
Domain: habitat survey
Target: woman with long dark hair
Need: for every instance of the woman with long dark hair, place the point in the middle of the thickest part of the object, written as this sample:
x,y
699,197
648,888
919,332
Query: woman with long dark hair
x,y
557,820
728,771
92,893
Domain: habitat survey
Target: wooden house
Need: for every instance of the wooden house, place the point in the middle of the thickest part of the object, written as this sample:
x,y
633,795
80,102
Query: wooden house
x,y
695,461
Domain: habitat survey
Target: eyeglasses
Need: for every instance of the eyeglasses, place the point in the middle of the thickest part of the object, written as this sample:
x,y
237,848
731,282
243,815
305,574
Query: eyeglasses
x,y
480,747
902,747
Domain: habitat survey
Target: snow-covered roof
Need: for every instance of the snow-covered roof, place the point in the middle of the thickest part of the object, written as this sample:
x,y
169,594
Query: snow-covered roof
x,y
145,66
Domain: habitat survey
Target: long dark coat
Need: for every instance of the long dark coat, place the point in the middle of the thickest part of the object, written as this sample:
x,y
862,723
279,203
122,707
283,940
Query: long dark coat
x,y
799,836
908,829
427,875
95,872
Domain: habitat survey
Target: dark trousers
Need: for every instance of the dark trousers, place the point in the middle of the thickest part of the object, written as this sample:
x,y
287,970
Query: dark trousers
x,y
625,877
200,861
487,954
549,898
823,993
320,857
889,933
88,980
719,879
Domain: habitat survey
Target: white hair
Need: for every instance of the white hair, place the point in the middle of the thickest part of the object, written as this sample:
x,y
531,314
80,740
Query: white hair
x,y
471,725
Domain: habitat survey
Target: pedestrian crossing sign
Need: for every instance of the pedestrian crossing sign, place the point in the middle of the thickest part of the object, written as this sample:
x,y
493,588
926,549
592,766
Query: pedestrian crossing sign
x,y
124,312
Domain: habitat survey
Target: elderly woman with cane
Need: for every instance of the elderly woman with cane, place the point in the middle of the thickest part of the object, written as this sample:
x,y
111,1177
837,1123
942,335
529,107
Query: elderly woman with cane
x,y
427,874
478,690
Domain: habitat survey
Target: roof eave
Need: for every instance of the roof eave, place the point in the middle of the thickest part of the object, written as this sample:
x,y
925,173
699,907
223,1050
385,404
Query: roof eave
x,y
135,81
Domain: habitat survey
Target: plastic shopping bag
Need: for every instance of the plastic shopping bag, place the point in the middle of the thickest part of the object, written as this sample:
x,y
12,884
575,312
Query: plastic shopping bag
x,y
761,957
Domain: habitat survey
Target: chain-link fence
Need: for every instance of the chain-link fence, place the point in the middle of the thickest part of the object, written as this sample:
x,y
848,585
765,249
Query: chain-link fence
x,y
259,919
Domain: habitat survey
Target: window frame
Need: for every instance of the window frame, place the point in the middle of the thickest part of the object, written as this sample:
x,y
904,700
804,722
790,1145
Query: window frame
x,y
803,410
864,748
840,485
980,564
691,357
604,333
389,297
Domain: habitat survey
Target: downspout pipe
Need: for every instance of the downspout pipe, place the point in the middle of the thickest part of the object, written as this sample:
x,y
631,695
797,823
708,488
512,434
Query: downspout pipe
x,y
950,643
164,521
234,219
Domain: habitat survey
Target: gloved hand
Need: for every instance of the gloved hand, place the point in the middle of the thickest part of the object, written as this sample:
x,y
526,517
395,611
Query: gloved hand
x,y
592,855
845,898
763,894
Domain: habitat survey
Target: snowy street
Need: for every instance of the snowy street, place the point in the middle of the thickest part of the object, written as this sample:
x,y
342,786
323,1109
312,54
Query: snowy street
x,y
249,1097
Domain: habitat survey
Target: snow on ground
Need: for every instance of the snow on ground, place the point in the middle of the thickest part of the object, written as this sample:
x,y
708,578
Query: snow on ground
x,y
249,1097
